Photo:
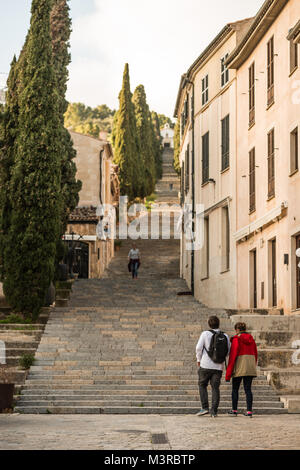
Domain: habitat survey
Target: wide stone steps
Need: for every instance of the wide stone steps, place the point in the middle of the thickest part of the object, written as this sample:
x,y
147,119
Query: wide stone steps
x,y
128,347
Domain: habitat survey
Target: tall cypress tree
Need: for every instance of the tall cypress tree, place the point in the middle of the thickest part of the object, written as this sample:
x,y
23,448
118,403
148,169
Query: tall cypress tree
x,y
60,24
35,184
125,140
145,134
157,145
9,127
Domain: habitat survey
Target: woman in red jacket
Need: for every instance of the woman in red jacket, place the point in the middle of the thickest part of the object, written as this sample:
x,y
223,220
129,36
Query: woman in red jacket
x,y
242,366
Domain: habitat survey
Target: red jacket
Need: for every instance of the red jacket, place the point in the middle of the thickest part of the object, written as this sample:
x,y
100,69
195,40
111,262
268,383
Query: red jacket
x,y
243,357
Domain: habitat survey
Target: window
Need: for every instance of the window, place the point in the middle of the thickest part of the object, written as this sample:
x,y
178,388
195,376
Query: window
x,y
187,170
205,90
252,95
271,71
205,251
294,150
252,197
293,56
205,158
225,240
182,184
271,164
224,71
225,143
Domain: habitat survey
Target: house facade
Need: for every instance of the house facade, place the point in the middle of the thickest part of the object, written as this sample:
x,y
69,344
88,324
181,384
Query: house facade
x,y
206,107
91,249
266,64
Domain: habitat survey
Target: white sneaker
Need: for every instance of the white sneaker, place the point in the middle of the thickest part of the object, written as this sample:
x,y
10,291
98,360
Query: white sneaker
x,y
202,413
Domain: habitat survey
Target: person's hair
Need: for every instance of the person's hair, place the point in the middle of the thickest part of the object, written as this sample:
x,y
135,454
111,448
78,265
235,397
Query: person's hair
x,y
240,326
214,322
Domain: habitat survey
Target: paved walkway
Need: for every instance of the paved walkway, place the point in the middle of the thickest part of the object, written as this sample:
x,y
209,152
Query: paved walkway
x,y
41,432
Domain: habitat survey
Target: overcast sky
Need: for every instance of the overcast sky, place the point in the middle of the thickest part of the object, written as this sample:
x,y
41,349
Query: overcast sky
x,y
158,38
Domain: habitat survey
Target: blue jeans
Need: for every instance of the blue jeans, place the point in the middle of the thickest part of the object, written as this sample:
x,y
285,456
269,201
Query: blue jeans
x,y
134,268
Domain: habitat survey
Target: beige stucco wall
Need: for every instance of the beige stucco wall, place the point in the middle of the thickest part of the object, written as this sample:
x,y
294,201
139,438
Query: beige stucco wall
x,y
284,117
88,171
219,289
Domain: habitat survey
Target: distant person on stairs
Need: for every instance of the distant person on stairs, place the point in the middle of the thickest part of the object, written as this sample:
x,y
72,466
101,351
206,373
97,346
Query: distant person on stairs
x,y
242,367
134,259
211,351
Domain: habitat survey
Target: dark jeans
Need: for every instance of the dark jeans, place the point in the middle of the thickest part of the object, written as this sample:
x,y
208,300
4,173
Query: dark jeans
x,y
236,382
214,377
134,268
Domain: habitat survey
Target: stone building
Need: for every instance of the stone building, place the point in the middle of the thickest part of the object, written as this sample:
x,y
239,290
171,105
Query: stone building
x,y
238,105
267,168
90,250
167,134
206,107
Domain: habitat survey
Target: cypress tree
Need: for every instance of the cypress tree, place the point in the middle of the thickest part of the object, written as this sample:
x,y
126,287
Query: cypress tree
x,y
35,186
60,24
145,134
126,143
157,145
9,126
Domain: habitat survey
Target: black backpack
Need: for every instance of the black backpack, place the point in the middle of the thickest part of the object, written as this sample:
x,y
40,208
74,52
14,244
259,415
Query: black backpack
x,y
218,349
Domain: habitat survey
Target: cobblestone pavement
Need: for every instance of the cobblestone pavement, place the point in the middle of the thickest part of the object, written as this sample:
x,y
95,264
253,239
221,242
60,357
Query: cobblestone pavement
x,y
120,432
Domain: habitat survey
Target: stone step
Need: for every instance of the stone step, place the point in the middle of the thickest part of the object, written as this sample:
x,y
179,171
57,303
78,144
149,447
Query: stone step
x,y
141,397
17,352
131,410
136,403
127,387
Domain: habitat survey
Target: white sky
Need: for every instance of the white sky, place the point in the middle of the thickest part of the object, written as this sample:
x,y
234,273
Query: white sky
x,y
158,38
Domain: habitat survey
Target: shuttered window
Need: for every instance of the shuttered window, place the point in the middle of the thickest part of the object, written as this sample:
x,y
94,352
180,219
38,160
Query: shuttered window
x,y
294,150
252,95
270,59
252,197
293,56
205,158
271,163
187,170
225,143
224,71
205,90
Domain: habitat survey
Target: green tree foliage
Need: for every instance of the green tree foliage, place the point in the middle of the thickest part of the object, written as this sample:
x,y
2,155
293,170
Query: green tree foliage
x,y
60,26
89,121
157,145
146,138
165,120
177,146
35,183
8,134
126,142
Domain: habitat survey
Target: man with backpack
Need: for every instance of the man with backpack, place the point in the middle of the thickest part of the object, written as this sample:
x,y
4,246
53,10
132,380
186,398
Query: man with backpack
x,y
211,351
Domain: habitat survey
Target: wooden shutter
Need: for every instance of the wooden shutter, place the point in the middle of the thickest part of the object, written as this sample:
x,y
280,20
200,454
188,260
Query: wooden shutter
x,y
271,164
225,143
271,71
252,202
252,95
205,158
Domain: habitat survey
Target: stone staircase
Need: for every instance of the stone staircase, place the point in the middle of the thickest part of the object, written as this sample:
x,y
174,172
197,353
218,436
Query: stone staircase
x,y
126,346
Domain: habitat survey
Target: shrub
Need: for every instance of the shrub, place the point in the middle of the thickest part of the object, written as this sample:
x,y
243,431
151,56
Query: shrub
x,y
26,361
